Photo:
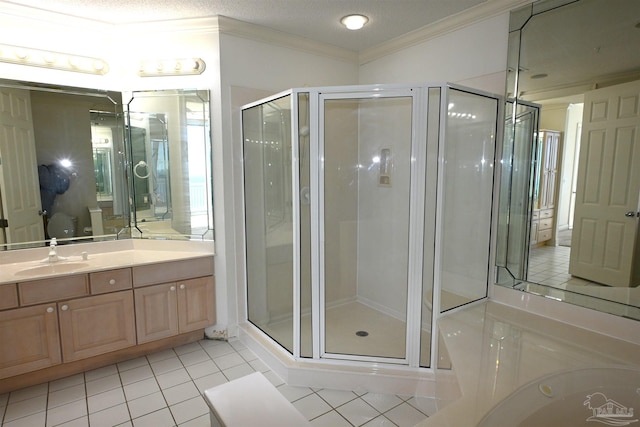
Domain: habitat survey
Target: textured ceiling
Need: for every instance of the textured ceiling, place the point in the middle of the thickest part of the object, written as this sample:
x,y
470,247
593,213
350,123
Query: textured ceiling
x,y
314,19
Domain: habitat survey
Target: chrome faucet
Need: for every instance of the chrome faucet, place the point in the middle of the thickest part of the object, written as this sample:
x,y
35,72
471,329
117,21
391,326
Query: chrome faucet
x,y
53,254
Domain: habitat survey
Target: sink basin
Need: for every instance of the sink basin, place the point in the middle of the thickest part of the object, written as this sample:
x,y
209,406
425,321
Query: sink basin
x,y
58,268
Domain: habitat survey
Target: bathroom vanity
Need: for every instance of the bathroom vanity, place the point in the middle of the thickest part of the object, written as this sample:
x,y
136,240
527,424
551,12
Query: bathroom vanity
x,y
129,299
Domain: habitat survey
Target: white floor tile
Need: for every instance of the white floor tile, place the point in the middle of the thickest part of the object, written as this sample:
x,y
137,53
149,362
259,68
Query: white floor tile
x,y
65,413
147,404
405,415
25,408
236,344
180,393
203,421
103,384
219,349
380,421
141,388
78,422
228,361
209,381
96,374
161,418
238,371
66,382
292,393
202,369
382,402
108,399
164,389
161,355
357,412
173,378
28,393
34,420
248,355
110,417
258,365
136,374
311,406
330,419
188,348
132,363
189,409
67,395
166,365
336,398
194,357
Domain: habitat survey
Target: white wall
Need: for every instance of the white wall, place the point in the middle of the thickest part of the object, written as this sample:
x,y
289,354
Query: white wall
x,y
570,143
474,56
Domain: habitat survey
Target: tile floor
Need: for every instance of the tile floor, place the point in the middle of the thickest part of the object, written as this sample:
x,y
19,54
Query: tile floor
x,y
165,389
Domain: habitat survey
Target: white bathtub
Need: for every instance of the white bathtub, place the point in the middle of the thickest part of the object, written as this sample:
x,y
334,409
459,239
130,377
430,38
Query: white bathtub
x,y
594,397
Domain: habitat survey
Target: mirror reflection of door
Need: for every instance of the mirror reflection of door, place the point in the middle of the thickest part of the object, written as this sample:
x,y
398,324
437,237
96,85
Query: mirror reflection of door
x,y
20,203
603,245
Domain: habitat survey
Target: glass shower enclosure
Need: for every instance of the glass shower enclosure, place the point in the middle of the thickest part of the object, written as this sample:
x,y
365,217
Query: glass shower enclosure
x,y
368,213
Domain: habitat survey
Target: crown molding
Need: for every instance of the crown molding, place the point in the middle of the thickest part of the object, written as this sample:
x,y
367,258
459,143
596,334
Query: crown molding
x,y
481,12
234,27
203,25
577,88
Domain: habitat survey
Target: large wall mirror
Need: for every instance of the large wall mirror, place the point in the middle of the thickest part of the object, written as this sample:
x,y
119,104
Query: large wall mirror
x,y
86,165
171,164
569,207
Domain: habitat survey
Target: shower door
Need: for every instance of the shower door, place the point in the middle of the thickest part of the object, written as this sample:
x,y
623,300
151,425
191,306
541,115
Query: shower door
x,y
365,158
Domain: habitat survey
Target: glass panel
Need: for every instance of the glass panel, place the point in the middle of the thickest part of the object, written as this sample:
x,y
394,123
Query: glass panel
x,y
367,163
467,197
268,220
306,349
431,178
514,211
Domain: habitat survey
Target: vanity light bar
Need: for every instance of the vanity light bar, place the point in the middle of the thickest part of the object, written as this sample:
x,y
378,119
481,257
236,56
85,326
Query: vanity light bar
x,y
171,67
55,60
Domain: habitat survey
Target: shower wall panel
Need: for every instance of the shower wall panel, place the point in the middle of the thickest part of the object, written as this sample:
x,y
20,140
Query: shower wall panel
x,y
341,201
383,203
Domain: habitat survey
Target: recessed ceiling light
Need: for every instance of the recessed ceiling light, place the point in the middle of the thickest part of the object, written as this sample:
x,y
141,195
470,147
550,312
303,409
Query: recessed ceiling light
x,y
354,22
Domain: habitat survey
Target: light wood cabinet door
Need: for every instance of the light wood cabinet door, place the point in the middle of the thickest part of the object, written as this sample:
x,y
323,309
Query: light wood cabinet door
x,y
196,304
96,325
156,312
28,339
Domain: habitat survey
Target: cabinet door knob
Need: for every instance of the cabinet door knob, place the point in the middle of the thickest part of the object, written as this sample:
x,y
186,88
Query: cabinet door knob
x,y
181,286
112,281
173,288
50,310
65,307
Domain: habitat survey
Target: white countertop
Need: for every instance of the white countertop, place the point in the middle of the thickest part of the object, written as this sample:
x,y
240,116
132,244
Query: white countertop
x,y
30,264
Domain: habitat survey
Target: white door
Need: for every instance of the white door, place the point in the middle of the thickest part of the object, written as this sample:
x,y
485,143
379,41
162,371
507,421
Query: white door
x,y
19,184
605,222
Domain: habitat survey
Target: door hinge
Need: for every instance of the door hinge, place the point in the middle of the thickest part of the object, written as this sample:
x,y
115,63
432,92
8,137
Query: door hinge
x,y
4,223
